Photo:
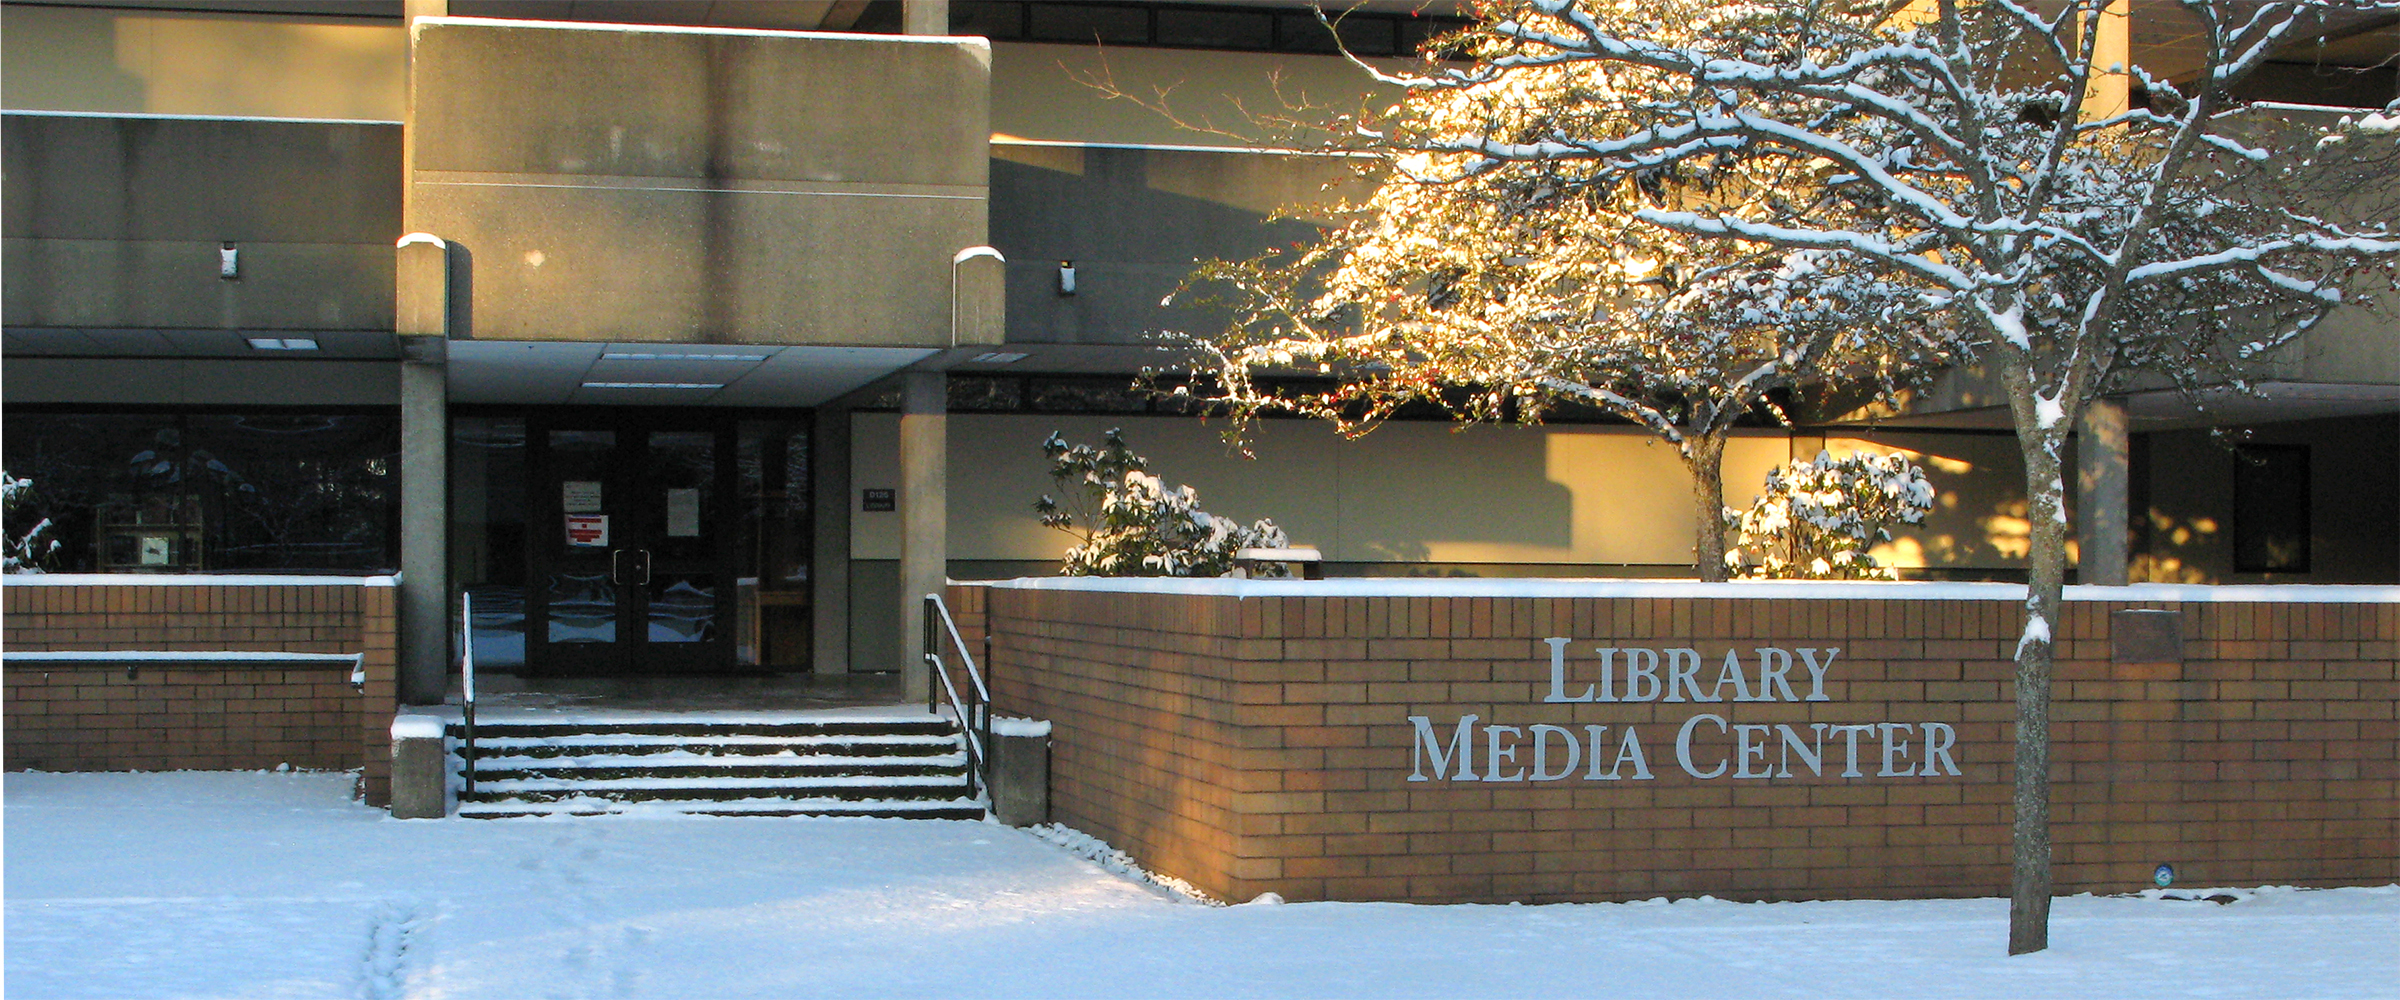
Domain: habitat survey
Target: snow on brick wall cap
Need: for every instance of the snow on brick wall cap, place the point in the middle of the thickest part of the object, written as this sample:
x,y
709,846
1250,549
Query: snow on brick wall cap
x,y
1860,590
1005,726
1280,555
416,727
178,656
188,580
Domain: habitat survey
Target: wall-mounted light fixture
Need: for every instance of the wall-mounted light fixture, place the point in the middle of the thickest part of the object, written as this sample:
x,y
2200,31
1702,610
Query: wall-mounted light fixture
x,y
1066,277
229,262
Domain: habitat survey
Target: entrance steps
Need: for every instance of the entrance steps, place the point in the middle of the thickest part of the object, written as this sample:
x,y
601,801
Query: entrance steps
x,y
843,766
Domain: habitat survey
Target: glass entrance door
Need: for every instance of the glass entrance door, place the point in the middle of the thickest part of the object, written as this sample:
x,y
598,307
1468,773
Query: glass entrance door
x,y
630,559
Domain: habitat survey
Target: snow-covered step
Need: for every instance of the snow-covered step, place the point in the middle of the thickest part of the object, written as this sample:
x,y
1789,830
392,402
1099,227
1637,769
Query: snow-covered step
x,y
715,745
780,767
930,809
682,764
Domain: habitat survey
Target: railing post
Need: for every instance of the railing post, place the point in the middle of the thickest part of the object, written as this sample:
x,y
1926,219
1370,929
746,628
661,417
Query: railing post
x,y
932,647
466,679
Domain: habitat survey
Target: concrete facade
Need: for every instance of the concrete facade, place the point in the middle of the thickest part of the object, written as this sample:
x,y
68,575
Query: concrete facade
x,y
744,187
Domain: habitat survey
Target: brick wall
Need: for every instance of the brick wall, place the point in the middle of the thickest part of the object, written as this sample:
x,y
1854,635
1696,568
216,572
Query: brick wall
x,y
1265,743
201,713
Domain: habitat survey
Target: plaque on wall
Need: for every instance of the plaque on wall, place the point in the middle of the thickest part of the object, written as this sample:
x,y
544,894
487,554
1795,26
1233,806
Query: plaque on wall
x,y
582,496
871,501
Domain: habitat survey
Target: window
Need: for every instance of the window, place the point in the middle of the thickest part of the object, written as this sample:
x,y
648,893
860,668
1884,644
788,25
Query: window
x,y
208,492
2270,509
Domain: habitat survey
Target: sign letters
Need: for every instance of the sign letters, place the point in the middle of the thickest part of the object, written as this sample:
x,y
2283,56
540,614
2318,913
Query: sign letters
x,y
1706,745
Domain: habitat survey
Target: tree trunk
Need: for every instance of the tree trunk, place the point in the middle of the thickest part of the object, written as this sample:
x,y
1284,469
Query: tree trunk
x,y
1704,454
2029,859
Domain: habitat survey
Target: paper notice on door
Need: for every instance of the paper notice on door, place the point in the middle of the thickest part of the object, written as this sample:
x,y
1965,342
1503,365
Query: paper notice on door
x,y
587,531
683,513
582,496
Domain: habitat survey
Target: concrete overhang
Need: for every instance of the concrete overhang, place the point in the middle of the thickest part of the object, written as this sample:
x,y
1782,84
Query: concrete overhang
x,y
114,342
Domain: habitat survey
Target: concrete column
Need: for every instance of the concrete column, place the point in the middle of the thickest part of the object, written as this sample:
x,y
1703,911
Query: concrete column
x,y
2109,91
424,522
924,513
2103,486
829,557
925,17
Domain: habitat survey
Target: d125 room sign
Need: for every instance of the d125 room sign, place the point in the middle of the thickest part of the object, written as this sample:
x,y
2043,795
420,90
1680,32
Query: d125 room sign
x,y
1706,745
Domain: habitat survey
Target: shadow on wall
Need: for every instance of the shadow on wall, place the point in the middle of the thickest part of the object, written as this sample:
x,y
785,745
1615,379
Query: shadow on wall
x,y
1978,519
1132,243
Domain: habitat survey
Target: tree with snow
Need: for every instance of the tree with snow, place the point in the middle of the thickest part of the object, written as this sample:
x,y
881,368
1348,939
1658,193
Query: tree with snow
x,y
1975,173
1131,523
1506,289
1821,519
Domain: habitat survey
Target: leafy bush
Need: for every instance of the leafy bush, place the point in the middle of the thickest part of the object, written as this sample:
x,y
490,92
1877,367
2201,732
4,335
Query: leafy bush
x,y
1132,524
1817,520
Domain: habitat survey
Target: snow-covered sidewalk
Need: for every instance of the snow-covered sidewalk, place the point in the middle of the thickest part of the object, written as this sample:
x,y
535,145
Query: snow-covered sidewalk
x,y
274,885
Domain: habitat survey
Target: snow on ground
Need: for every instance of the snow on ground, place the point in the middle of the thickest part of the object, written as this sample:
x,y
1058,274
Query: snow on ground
x,y
275,885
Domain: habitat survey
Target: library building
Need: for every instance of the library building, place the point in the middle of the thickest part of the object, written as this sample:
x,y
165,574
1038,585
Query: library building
x,y
431,388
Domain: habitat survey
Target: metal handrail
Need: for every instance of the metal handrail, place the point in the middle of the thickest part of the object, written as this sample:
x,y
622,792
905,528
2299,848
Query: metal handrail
x,y
466,671
976,724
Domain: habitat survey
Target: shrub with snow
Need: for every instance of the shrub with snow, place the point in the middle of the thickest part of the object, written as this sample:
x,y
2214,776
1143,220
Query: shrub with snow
x,y
1819,520
28,550
1132,523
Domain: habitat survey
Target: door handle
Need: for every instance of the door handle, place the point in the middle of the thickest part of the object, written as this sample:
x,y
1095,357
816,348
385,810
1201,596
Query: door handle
x,y
616,566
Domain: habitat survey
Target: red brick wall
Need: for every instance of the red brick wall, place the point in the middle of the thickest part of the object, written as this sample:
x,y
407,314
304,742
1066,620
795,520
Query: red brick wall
x,y
203,714
1264,744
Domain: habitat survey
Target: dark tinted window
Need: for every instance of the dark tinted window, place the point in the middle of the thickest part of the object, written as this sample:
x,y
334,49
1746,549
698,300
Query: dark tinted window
x,y
2271,509
208,492
1074,22
1216,29
1004,21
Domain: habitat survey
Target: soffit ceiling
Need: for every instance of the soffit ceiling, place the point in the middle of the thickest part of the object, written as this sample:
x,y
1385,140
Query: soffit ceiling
x,y
582,374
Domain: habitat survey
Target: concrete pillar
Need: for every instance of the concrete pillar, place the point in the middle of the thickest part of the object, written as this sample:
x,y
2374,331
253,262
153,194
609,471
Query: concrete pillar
x,y
419,753
924,513
2103,485
829,557
2109,91
424,523
925,17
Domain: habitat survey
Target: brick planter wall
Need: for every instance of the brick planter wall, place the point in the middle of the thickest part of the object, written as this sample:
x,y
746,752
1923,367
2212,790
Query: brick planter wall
x,y
202,713
1249,739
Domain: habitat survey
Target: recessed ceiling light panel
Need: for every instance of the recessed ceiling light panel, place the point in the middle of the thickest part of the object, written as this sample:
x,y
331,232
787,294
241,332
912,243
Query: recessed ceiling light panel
x,y
628,356
282,343
654,385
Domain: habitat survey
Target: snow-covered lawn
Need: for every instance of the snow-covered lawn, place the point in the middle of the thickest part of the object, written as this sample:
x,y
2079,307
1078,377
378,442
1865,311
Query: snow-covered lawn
x,y
274,885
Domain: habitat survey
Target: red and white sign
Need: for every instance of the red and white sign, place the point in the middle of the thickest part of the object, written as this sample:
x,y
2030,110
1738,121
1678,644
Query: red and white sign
x,y
587,531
